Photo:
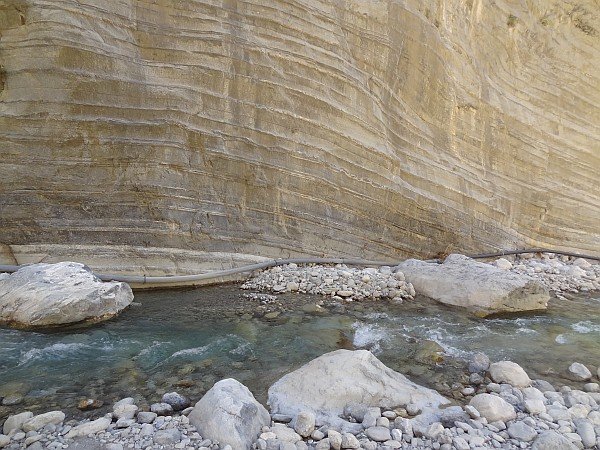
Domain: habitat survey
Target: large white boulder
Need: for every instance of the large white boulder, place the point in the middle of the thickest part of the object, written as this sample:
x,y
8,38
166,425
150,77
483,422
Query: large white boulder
x,y
229,413
341,378
43,295
481,288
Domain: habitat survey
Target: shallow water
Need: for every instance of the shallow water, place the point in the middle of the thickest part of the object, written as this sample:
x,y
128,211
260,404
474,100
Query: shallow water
x,y
187,340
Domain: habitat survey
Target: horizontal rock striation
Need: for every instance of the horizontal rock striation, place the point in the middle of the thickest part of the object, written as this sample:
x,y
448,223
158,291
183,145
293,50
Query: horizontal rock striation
x,y
276,128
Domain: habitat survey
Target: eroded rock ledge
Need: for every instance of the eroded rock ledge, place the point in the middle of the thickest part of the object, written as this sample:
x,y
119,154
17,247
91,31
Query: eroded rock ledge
x,y
367,129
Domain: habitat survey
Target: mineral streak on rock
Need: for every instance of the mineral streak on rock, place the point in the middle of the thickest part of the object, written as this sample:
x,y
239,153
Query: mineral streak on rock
x,y
373,129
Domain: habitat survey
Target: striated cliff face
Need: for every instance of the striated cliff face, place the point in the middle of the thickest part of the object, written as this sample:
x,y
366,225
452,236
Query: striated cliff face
x,y
222,128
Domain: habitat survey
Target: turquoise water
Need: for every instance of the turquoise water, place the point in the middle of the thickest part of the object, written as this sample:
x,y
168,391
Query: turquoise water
x,y
186,340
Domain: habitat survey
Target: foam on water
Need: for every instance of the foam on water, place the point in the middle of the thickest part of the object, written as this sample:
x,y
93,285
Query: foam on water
x,y
561,339
585,327
54,351
369,336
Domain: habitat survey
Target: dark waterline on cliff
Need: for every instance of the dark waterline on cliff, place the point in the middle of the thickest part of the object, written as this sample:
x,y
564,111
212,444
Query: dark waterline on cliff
x,y
187,340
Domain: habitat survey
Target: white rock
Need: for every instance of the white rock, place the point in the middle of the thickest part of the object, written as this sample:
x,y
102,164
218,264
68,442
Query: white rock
x,y
93,427
57,294
493,408
125,411
16,421
285,434
503,264
534,401
509,372
229,413
350,377
4,440
41,420
481,288
583,263
579,372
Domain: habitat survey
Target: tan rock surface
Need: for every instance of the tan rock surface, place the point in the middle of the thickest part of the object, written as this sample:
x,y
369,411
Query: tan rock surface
x,y
275,128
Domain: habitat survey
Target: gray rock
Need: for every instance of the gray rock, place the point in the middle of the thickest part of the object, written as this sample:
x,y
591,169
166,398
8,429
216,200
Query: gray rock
x,y
4,440
146,417
543,386
16,421
578,372
521,432
451,415
356,410
509,372
229,413
161,409
42,295
146,430
124,423
349,441
87,428
371,382
177,401
370,417
304,424
493,408
41,420
481,288
12,400
551,440
335,439
460,444
378,434
479,362
323,444
124,410
170,436
585,429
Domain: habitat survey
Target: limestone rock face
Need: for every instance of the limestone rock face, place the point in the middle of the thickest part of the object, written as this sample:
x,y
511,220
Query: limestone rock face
x,y
374,129
42,295
333,381
481,288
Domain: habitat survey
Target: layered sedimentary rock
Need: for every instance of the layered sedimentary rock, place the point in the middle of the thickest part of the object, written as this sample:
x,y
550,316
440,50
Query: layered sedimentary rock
x,y
273,128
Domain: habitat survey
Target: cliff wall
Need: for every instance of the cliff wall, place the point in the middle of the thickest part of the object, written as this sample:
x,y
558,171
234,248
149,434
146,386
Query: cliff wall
x,y
226,129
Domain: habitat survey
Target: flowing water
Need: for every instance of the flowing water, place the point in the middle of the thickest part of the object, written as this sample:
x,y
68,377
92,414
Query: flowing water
x,y
185,340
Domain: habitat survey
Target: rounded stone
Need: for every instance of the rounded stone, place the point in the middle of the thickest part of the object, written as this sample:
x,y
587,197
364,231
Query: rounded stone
x,y
521,432
493,408
579,372
510,373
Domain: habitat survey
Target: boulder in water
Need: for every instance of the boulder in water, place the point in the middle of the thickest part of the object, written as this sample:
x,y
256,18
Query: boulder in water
x,y
481,288
44,295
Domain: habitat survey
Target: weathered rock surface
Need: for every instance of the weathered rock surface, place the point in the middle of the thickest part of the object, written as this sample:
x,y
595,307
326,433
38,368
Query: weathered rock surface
x,y
481,288
329,383
493,408
58,294
509,372
377,129
228,413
